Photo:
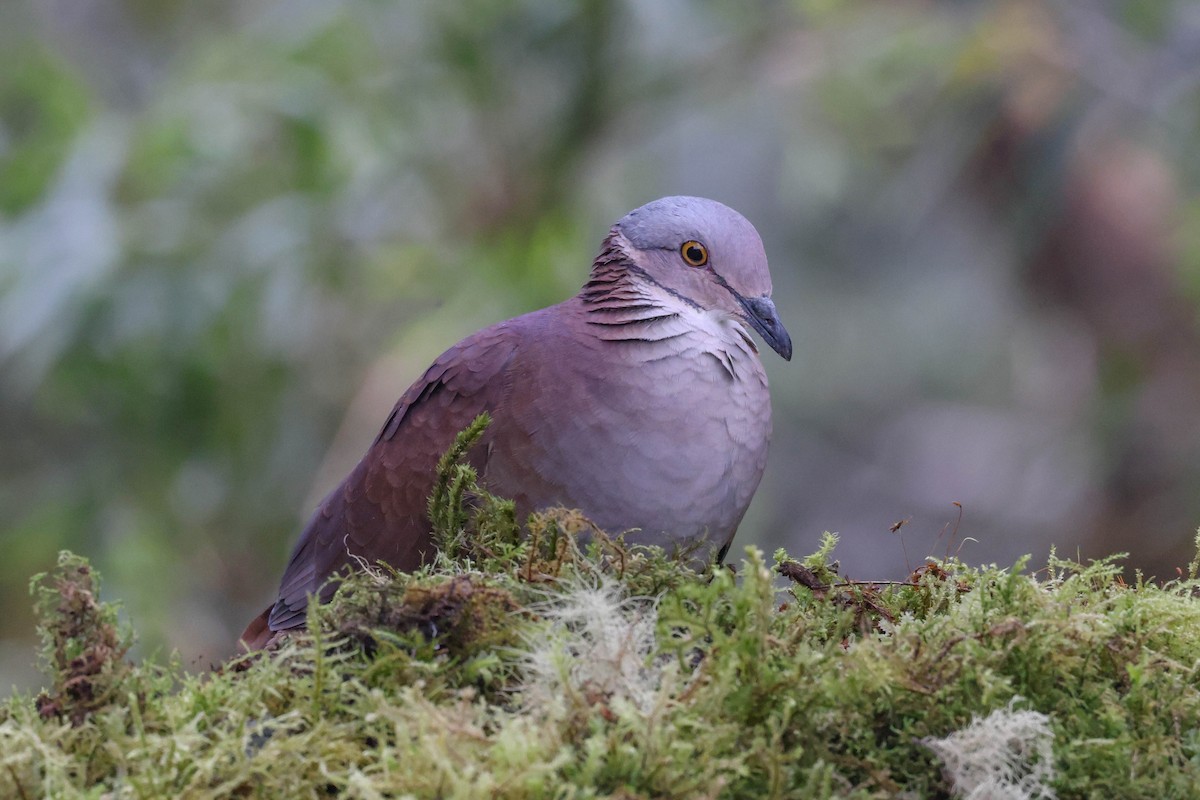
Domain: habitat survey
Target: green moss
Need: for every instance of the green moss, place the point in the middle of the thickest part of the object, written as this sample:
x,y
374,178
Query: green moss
x,y
83,648
504,670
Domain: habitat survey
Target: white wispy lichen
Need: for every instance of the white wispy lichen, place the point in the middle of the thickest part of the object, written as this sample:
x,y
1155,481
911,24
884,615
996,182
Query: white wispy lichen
x,y
596,646
1007,755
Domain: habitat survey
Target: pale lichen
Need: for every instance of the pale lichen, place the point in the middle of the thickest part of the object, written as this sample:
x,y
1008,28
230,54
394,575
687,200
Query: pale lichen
x,y
1007,755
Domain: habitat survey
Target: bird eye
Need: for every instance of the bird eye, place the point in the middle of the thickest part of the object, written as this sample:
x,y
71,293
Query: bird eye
x,y
694,253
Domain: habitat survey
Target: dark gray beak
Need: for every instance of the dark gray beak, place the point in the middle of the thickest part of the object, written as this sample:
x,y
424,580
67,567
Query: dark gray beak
x,y
762,316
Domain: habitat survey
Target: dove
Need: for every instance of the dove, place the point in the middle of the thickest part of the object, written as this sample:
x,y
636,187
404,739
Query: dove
x,y
640,401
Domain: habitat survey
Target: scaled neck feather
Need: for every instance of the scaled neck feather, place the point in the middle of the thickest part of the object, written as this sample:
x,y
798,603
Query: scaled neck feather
x,y
624,304
622,301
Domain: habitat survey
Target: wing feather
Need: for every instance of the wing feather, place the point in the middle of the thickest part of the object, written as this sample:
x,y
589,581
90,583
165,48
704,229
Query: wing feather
x,y
378,513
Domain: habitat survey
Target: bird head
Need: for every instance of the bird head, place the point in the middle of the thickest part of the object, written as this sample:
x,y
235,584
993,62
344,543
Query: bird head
x,y
706,255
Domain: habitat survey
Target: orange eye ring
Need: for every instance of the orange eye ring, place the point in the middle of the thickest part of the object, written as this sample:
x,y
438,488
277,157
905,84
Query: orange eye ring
x,y
694,253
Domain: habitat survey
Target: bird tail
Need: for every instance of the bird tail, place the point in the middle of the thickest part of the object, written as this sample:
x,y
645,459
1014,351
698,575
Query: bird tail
x,y
258,633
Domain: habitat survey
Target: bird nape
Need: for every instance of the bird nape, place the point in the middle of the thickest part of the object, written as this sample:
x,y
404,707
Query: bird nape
x,y
650,372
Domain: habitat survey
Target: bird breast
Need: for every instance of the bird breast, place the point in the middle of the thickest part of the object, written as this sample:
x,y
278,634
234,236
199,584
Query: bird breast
x,y
664,432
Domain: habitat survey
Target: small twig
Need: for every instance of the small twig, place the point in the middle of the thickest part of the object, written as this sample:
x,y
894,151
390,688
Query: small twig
x,y
802,575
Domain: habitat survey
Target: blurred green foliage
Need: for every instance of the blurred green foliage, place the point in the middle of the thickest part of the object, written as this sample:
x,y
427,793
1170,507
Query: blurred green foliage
x,y
45,110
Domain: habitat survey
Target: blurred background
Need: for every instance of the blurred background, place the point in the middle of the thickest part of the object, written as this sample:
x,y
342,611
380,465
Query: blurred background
x,y
232,233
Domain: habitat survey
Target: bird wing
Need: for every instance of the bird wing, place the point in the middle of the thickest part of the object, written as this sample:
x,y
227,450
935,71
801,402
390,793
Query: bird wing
x,y
379,512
